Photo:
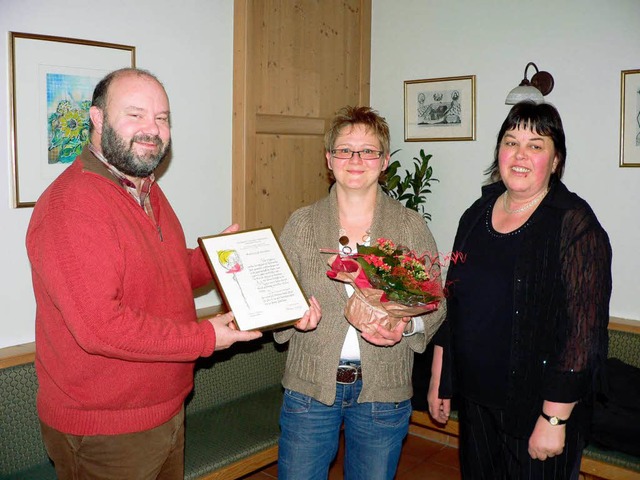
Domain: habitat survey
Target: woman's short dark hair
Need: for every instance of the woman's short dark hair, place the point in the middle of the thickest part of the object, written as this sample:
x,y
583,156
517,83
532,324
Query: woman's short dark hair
x,y
543,119
349,116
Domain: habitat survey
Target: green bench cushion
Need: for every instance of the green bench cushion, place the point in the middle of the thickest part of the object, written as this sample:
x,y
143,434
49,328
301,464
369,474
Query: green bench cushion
x,y
234,408
230,432
616,458
43,471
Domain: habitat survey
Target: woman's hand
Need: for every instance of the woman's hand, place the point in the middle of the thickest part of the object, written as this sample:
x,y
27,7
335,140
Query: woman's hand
x,y
387,338
547,440
439,408
310,319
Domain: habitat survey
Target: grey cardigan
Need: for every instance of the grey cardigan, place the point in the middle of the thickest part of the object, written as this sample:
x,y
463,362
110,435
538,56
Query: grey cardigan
x,y
314,356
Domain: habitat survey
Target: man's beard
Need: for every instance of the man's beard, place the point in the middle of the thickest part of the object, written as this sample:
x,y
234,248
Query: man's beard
x,y
123,157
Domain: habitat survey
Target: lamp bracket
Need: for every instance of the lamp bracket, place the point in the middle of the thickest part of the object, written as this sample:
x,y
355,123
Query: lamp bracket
x,y
543,81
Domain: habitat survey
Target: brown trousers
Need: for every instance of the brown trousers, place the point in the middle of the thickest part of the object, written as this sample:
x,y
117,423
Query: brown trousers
x,y
156,454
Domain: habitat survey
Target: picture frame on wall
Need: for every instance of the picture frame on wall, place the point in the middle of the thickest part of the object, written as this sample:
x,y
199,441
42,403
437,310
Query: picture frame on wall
x,y
630,118
51,84
440,109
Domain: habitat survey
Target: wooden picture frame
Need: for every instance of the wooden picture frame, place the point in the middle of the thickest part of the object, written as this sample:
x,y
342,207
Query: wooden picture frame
x,y
440,109
630,118
51,83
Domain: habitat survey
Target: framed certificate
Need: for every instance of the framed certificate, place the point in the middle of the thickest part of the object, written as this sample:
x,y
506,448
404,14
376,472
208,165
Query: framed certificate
x,y
255,279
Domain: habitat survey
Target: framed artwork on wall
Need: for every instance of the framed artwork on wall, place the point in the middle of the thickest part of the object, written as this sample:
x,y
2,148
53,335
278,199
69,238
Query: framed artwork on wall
x,y
440,109
51,83
630,118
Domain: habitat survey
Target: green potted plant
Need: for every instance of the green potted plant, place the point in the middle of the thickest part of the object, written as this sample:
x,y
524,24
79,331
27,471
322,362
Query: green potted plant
x,y
413,188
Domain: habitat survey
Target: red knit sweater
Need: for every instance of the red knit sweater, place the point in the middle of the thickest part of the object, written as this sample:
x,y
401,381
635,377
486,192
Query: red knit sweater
x,y
116,329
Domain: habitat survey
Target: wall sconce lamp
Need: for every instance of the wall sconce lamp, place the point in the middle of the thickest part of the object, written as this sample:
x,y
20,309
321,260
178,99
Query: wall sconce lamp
x,y
540,85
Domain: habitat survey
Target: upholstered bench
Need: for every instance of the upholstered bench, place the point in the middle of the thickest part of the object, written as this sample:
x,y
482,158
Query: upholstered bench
x,y
231,422
597,463
232,415
22,454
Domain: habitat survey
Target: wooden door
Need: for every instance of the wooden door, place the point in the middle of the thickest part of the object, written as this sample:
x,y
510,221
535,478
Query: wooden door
x,y
296,62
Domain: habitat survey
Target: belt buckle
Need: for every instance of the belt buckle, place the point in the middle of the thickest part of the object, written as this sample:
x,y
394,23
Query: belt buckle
x,y
350,372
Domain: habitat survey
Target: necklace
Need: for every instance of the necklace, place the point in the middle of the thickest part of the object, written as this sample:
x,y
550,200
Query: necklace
x,y
344,240
525,207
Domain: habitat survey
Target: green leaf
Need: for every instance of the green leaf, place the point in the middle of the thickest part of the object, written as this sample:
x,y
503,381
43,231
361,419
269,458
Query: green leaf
x,y
411,190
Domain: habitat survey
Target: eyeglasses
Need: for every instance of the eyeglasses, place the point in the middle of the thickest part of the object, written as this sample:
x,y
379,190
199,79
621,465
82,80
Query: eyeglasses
x,y
346,154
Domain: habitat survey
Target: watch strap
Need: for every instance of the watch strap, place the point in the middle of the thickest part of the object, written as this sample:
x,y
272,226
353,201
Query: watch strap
x,y
412,330
553,420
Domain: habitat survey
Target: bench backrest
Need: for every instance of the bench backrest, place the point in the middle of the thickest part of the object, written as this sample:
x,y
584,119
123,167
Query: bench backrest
x,y
241,370
625,346
20,443
225,376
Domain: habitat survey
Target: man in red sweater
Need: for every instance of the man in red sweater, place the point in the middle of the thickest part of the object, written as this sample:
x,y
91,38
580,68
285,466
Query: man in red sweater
x,y
116,327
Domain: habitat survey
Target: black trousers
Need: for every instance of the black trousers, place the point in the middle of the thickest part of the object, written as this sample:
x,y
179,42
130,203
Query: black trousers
x,y
487,452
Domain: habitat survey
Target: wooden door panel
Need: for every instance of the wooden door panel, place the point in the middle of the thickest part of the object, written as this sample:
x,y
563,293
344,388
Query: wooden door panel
x,y
307,56
295,64
282,161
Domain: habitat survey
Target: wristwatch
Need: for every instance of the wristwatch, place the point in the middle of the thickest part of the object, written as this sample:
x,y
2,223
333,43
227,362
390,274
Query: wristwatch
x,y
552,420
411,331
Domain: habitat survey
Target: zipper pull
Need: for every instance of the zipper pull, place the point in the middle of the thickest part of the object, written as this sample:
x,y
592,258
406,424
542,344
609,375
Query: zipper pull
x,y
160,233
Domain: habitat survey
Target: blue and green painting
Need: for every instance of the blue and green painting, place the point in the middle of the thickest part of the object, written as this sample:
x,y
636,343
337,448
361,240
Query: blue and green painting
x,y
68,102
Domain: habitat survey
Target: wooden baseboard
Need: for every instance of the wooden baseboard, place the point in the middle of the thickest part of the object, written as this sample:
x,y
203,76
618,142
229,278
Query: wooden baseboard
x,y
624,325
20,354
596,469
17,355
590,469
423,419
433,436
26,353
245,466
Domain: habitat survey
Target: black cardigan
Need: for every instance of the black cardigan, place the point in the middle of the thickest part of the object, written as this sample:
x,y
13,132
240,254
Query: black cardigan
x,y
562,287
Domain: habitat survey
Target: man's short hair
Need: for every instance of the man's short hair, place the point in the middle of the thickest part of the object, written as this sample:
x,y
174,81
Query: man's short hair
x,y
101,91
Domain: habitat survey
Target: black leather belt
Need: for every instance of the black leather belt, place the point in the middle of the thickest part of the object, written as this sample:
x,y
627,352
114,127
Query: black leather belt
x,y
348,374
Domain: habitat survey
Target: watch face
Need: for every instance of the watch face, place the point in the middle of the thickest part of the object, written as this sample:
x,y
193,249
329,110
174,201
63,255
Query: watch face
x,y
553,420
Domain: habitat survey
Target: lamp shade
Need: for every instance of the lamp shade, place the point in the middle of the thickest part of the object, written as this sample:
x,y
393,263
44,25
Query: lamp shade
x,y
524,92
540,85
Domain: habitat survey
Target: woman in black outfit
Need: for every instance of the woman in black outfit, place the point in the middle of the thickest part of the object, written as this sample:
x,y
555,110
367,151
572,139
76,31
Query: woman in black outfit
x,y
526,329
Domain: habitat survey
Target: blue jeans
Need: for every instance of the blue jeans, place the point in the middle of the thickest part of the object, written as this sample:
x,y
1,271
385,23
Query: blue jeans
x,y
310,433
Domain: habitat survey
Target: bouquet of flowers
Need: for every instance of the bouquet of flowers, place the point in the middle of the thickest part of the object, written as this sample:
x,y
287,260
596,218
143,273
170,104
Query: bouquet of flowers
x,y
390,282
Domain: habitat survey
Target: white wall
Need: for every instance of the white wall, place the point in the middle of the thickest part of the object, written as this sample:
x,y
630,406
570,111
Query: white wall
x,y
584,44
189,46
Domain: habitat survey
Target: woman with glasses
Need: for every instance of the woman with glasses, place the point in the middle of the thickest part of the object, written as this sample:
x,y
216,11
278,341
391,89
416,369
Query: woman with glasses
x,y
336,375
